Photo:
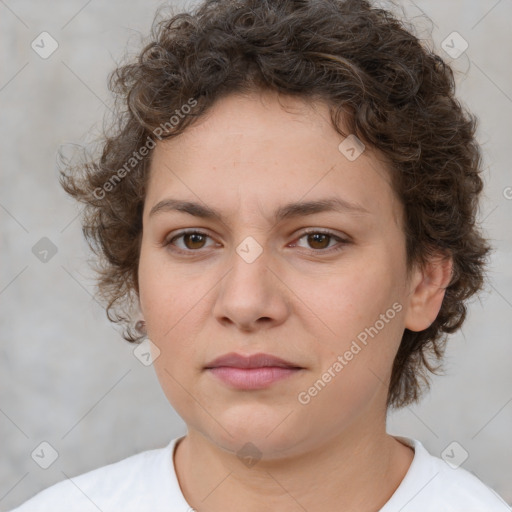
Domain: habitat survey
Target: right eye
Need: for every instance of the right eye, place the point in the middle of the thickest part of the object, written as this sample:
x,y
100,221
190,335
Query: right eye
x,y
193,240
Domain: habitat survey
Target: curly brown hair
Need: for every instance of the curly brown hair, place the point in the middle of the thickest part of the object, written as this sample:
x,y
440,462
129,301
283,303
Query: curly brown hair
x,y
391,91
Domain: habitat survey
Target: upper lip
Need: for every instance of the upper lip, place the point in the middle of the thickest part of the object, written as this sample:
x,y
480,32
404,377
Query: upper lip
x,y
235,360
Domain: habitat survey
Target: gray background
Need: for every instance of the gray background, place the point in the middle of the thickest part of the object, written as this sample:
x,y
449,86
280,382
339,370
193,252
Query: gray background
x,y
67,377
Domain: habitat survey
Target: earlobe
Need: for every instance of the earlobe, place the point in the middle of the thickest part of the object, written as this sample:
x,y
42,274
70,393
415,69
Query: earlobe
x,y
426,293
140,325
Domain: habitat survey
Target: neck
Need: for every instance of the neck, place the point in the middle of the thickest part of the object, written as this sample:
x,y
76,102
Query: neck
x,y
356,470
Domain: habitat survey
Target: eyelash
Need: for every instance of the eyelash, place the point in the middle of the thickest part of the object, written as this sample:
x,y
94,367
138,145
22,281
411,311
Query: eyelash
x,y
342,242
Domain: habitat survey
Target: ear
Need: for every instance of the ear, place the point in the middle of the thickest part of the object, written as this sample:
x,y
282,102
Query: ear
x,y
426,292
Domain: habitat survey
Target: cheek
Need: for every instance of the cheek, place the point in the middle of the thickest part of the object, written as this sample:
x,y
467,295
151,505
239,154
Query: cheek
x,y
348,298
174,305
359,316
335,404
354,370
160,307
163,291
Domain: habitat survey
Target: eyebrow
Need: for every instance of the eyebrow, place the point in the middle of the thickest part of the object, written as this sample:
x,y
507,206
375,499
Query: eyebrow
x,y
288,211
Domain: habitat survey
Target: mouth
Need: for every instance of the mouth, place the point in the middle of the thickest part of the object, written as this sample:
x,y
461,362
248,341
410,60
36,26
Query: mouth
x,y
234,360
256,371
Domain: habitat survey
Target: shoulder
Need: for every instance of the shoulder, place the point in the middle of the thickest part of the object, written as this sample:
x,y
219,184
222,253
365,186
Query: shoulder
x,y
129,484
432,485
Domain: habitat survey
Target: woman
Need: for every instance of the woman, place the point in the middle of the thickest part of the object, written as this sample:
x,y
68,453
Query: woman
x,y
289,203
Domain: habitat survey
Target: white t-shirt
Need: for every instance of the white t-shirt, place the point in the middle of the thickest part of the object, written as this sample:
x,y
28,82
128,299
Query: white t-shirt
x,y
147,482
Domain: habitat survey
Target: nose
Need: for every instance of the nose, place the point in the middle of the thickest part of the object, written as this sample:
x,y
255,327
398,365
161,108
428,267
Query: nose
x,y
252,295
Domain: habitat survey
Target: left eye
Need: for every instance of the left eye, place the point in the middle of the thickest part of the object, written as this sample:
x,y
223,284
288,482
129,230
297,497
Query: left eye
x,y
320,240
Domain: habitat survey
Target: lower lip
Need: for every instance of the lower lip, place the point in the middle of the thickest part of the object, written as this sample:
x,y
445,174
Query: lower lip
x,y
252,378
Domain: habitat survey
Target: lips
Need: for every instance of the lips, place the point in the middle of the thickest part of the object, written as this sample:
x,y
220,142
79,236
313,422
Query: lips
x,y
253,372
261,360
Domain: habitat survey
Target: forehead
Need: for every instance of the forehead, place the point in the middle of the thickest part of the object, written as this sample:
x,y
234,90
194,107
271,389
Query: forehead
x,y
260,148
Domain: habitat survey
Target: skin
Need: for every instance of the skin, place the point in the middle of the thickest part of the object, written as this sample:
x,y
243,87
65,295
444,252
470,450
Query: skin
x,y
249,155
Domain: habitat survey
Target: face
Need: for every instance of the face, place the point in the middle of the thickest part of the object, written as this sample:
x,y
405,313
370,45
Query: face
x,y
322,287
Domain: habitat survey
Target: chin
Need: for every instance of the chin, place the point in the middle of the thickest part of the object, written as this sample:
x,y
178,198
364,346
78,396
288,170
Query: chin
x,y
266,439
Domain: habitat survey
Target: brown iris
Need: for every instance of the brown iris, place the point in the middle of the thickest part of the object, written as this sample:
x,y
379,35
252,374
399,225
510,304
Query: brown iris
x,y
318,238
194,238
